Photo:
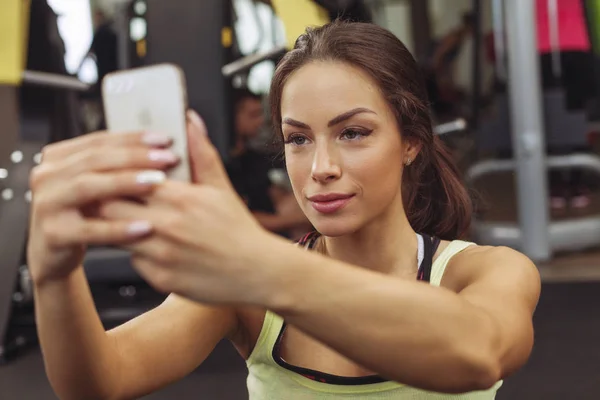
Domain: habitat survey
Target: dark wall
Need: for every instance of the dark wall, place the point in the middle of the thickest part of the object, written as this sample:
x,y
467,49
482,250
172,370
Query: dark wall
x,y
188,33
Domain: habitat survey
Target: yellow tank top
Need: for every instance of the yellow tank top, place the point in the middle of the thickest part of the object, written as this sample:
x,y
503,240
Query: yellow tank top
x,y
267,380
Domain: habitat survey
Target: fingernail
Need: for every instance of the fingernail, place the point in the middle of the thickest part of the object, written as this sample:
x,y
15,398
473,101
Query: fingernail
x,y
156,139
150,177
196,120
162,156
139,228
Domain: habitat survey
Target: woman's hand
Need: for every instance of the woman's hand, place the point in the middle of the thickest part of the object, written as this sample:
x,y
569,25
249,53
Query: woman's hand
x,y
73,177
204,240
289,208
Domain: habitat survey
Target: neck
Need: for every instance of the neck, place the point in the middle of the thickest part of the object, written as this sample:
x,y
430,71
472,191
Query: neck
x,y
387,245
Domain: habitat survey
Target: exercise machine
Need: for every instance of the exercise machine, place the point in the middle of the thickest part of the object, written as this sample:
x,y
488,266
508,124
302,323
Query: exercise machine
x,y
535,119
190,34
119,293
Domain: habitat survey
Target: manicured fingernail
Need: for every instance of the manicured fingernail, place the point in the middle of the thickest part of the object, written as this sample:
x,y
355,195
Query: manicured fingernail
x,y
162,156
156,139
139,228
196,120
151,177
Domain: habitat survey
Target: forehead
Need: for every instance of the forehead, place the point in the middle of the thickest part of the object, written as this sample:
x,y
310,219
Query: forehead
x,y
326,88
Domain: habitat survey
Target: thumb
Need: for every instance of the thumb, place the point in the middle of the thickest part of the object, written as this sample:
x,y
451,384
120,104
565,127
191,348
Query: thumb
x,y
205,162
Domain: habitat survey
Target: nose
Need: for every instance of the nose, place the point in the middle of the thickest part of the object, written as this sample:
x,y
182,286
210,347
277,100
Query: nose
x,y
325,168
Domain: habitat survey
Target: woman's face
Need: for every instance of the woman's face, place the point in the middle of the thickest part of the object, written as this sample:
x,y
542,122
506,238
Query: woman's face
x,y
343,149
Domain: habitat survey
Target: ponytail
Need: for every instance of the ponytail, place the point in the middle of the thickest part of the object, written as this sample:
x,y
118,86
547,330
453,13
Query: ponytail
x,y
436,201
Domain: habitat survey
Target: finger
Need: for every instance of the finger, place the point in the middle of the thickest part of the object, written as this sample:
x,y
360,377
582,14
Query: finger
x,y
103,160
97,232
93,187
168,222
62,149
152,248
160,278
205,161
118,209
169,215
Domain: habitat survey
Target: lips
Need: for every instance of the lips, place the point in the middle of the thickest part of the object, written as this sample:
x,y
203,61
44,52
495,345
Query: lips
x,y
330,203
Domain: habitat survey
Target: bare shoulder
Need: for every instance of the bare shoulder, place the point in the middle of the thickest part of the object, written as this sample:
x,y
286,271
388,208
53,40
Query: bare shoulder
x,y
492,266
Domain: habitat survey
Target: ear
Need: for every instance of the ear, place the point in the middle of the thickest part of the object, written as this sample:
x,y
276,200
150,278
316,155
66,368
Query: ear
x,y
411,150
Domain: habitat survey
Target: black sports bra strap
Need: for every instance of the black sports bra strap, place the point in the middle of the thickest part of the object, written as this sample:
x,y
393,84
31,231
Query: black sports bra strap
x,y
309,240
430,246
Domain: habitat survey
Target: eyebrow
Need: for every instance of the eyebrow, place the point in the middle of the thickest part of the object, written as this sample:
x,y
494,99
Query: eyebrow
x,y
339,119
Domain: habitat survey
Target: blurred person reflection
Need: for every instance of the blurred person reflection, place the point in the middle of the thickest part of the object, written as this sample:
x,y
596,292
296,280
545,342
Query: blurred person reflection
x,y
275,208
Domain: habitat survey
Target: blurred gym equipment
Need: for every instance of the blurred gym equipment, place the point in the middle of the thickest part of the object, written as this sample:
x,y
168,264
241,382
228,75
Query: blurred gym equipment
x,y
535,120
297,15
14,22
118,291
48,111
196,35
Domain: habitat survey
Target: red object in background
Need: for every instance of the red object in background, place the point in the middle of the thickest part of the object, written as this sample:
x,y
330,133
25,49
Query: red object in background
x,y
572,27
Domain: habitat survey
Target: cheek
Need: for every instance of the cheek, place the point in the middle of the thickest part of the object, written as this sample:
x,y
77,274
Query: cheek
x,y
378,172
298,168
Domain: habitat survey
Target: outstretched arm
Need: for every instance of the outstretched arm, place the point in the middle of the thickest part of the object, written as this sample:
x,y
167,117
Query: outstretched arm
x,y
428,337
459,338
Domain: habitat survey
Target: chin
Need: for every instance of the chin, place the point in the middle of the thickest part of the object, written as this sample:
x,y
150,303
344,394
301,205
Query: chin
x,y
335,226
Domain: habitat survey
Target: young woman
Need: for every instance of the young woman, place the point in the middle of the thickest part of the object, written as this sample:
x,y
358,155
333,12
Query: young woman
x,y
381,308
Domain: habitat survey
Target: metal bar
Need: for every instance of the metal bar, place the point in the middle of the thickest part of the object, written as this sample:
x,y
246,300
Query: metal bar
x,y
47,79
457,125
476,64
487,167
554,28
9,119
499,39
527,128
123,40
248,62
565,235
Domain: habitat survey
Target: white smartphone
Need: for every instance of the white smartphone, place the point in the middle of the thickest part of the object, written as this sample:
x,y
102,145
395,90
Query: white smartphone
x,y
150,99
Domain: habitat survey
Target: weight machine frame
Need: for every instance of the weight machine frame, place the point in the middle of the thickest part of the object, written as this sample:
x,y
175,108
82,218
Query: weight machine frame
x,y
13,213
534,234
14,209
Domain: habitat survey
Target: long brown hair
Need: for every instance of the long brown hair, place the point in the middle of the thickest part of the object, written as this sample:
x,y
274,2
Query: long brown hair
x,y
435,200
